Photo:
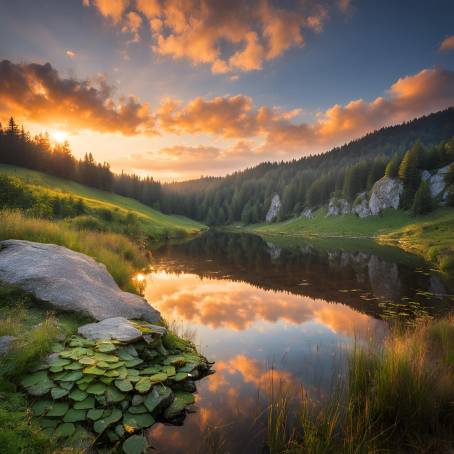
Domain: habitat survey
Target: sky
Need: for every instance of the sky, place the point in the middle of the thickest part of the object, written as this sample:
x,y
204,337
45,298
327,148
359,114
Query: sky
x,y
177,89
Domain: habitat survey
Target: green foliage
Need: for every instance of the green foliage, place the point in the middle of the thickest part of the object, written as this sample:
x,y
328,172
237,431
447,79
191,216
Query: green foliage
x,y
392,168
409,173
423,202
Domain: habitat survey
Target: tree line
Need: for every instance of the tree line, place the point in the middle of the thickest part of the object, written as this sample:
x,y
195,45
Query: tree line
x,y
245,196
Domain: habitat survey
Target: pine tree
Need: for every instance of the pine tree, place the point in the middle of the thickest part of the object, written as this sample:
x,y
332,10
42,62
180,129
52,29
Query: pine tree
x,y
392,169
409,173
422,203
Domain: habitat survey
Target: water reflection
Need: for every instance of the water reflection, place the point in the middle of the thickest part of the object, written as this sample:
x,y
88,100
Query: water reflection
x,y
260,308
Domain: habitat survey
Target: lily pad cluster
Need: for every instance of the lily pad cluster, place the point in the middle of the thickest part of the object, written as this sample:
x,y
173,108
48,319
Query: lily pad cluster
x,y
112,389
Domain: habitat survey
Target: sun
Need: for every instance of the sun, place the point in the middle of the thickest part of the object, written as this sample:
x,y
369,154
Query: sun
x,y
59,136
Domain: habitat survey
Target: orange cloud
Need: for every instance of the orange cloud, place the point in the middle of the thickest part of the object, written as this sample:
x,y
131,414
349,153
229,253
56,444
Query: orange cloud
x,y
226,34
447,44
38,93
112,9
70,53
237,117
238,306
132,25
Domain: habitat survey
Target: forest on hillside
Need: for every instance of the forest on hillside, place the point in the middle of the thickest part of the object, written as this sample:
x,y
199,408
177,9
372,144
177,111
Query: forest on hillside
x,y
244,196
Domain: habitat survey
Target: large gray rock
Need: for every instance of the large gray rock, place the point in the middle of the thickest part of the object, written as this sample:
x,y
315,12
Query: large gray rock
x,y
274,208
361,206
436,181
386,193
5,343
338,207
116,328
69,281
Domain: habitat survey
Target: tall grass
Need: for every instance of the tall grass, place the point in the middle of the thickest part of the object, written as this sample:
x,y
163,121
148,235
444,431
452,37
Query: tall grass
x,y
122,256
398,397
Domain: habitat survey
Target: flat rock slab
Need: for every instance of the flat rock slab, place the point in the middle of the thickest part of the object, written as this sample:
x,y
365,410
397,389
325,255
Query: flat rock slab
x,y
116,328
69,281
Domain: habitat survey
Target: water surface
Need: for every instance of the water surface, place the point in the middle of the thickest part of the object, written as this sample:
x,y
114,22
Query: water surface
x,y
277,312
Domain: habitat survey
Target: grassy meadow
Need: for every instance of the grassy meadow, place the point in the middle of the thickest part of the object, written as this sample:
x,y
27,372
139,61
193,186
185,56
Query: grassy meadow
x,y
429,236
152,223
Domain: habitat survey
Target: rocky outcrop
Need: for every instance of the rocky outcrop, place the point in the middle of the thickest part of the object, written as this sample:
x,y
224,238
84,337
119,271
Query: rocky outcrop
x,y
69,281
273,250
307,213
338,207
361,206
274,208
436,181
386,193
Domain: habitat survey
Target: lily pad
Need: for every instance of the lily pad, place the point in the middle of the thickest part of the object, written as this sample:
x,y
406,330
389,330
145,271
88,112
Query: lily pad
x,y
35,378
136,444
56,347
160,397
95,414
73,366
144,385
59,362
86,404
40,407
78,395
133,362
87,361
168,370
65,430
105,357
158,377
58,409
72,376
73,415
58,393
138,409
151,370
123,385
97,389
105,347
136,422
107,380
94,370
113,395
102,424
180,376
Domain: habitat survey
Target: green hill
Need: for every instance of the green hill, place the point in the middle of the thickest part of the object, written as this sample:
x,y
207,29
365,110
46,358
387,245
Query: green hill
x,y
154,223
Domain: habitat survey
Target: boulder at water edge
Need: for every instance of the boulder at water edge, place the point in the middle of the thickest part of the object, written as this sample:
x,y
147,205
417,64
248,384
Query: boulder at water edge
x,y
69,281
386,193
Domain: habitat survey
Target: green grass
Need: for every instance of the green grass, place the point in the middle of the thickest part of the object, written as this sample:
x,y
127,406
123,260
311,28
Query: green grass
x,y
155,224
122,256
430,236
35,330
398,397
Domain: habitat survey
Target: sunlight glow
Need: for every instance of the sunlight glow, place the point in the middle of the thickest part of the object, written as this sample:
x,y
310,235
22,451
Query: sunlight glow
x,y
59,136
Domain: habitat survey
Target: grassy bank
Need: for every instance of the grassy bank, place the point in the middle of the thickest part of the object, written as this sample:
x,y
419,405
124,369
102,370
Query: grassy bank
x,y
429,236
35,330
121,255
397,398
105,210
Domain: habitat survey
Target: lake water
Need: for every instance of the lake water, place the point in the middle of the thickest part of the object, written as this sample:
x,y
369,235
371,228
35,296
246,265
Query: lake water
x,y
276,313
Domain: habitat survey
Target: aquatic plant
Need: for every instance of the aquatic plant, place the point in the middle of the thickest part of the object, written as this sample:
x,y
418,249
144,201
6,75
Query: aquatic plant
x,y
113,389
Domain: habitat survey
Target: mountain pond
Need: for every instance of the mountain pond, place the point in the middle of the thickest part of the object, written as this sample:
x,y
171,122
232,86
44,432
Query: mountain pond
x,y
277,313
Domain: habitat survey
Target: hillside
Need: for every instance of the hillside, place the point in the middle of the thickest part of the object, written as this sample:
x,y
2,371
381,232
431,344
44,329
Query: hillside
x,y
155,224
309,181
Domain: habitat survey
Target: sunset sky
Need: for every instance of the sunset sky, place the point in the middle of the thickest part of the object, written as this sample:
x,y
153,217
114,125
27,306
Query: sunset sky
x,y
182,88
